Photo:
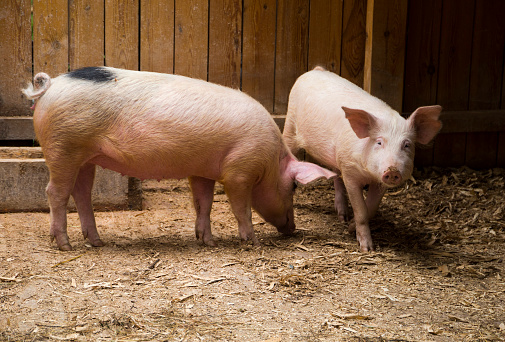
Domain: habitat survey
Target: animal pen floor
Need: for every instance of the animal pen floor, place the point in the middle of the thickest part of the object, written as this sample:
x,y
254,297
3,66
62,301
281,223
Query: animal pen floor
x,y
437,275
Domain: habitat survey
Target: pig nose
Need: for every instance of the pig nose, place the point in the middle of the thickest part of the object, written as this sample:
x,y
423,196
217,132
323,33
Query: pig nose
x,y
392,176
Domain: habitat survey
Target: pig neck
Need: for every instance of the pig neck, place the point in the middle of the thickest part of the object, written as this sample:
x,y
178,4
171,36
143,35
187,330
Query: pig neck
x,y
352,156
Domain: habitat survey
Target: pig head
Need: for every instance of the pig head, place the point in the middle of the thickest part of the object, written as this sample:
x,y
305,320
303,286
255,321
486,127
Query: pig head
x,y
358,136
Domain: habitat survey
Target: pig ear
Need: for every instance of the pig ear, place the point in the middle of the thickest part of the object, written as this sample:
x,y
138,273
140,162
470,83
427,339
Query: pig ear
x,y
425,122
304,172
361,122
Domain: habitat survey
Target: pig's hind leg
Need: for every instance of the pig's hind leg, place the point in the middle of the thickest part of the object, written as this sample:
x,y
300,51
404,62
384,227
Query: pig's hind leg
x,y
82,197
61,182
203,196
340,199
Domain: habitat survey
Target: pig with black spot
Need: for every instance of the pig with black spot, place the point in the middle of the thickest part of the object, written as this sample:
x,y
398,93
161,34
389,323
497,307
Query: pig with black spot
x,y
360,137
155,126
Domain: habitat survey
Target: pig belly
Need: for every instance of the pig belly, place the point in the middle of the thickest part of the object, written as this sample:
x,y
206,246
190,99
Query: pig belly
x,y
157,169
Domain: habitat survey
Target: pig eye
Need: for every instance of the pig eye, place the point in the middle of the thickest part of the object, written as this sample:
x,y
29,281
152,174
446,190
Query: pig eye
x,y
406,144
379,142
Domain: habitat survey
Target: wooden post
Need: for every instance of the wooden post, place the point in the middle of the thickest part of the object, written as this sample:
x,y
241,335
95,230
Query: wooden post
x,y
86,33
15,58
385,50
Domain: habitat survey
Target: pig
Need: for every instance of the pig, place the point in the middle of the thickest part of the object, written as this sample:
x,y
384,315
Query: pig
x,y
359,137
156,126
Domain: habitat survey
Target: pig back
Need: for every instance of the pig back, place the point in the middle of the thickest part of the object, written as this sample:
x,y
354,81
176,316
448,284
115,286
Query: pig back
x,y
154,118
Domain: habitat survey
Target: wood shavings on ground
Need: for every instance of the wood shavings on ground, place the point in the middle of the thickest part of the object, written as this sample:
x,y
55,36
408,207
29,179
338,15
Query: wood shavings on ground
x,y
437,275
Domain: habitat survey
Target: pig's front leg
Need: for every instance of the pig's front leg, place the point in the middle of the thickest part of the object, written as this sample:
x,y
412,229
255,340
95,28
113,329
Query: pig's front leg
x,y
373,198
239,193
340,199
203,196
359,206
82,197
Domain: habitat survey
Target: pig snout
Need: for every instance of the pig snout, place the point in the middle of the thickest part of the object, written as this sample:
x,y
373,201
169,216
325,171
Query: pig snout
x,y
288,226
392,176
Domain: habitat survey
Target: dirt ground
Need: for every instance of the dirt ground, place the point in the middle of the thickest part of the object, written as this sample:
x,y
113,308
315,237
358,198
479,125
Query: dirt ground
x,y
437,275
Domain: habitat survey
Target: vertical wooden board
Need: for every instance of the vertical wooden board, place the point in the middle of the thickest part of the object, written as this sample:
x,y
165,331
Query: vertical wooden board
x,y
15,56
258,50
421,56
487,55
87,33
500,160
353,41
225,42
481,150
191,38
455,54
122,34
325,34
486,78
50,36
424,155
291,48
454,74
421,62
385,50
157,36
449,149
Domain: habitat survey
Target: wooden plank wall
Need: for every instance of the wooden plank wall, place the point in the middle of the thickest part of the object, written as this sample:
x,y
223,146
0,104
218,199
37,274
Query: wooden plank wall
x,y
452,53
259,46
454,57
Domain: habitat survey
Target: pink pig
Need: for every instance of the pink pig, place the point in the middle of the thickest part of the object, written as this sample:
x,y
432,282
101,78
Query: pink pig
x,y
360,137
151,125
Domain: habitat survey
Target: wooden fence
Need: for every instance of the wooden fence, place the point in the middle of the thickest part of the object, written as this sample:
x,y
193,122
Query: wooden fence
x,y
411,53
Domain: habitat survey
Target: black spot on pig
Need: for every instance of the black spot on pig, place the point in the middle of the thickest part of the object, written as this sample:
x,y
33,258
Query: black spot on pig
x,y
94,74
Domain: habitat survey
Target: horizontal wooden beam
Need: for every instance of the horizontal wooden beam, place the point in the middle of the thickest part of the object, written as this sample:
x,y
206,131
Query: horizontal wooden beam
x,y
21,128
472,121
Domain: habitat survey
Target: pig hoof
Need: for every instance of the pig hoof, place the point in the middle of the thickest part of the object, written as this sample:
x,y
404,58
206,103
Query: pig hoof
x,y
210,243
96,243
352,227
65,247
365,248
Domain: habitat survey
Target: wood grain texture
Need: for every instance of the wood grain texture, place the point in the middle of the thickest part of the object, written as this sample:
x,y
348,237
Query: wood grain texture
x,y
486,69
50,36
291,48
157,36
421,62
191,38
486,77
385,50
353,41
86,33
122,34
454,75
258,50
15,57
225,42
421,56
325,34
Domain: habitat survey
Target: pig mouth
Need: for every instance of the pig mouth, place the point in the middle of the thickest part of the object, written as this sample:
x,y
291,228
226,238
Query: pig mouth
x,y
287,228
